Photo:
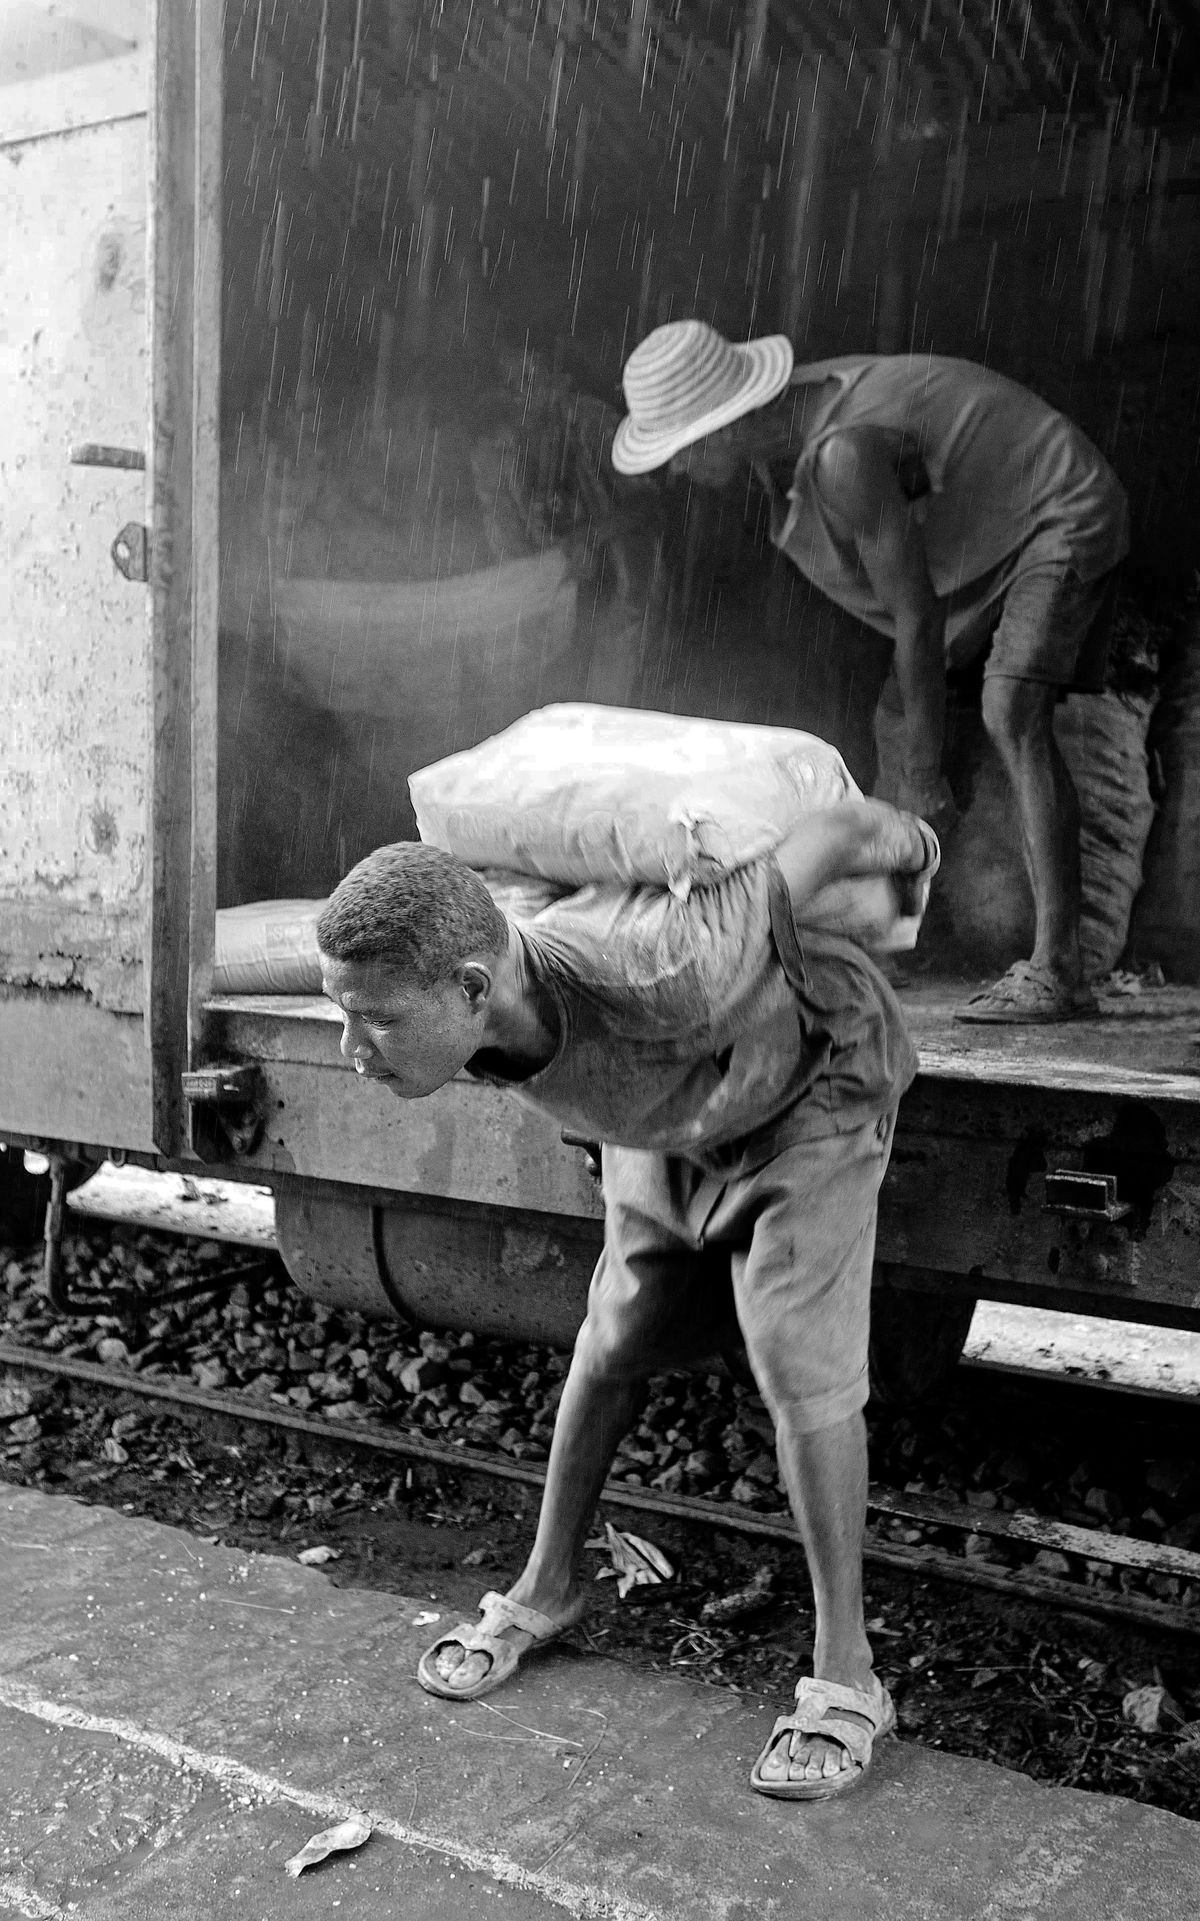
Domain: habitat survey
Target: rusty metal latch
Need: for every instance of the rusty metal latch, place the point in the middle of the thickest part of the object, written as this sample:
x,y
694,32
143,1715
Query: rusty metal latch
x,y
131,551
591,1150
1089,1197
228,1109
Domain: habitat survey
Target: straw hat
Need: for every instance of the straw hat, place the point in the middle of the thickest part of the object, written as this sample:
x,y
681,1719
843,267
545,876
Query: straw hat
x,y
684,381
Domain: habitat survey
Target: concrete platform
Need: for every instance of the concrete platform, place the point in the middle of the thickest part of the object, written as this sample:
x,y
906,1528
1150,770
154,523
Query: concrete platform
x,y
176,1719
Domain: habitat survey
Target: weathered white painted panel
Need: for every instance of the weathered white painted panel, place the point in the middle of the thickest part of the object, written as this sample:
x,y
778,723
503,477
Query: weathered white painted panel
x,y
74,636
71,1070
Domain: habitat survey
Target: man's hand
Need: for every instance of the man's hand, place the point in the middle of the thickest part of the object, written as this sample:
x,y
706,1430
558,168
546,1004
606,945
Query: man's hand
x,y
891,840
931,801
857,839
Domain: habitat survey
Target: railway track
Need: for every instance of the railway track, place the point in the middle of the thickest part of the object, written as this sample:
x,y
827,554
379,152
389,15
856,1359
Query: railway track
x,y
949,1520
1005,1627
1002,1546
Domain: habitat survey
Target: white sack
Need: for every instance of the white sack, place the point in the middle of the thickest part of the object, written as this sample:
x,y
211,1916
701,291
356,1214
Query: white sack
x,y
268,947
581,793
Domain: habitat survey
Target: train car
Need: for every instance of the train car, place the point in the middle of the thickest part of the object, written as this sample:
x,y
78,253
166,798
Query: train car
x,y
312,319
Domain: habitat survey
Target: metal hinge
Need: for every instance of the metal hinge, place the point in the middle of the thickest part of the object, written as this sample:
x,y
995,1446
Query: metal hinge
x,y
227,1104
1089,1197
131,551
131,548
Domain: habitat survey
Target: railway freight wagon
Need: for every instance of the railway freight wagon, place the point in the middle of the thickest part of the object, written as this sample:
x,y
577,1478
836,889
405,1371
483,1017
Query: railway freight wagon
x,y
312,318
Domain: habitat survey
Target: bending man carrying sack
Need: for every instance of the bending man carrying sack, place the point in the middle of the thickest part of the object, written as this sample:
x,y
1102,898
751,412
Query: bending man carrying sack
x,y
949,509
743,1072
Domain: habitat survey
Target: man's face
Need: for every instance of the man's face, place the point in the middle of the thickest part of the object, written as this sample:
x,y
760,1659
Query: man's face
x,y
413,1039
711,462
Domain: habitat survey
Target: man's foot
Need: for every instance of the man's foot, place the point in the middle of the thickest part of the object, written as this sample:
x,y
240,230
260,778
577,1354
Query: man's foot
x,y
476,1657
826,1745
1030,995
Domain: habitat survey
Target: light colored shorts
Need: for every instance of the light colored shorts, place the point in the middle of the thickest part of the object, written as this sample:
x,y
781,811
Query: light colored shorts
x,y
1048,625
782,1254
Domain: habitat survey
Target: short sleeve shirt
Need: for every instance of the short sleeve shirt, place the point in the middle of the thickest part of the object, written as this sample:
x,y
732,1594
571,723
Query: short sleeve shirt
x,y
1013,484
712,1027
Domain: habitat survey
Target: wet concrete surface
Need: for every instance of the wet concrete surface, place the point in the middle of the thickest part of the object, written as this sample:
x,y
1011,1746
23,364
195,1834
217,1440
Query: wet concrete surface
x,y
176,1718
98,1829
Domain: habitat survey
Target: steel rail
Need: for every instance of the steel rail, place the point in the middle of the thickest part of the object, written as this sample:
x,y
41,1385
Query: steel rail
x,y
1114,1550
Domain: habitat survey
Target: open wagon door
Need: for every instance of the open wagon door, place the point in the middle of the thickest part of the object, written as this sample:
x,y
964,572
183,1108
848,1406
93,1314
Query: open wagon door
x,y
110,186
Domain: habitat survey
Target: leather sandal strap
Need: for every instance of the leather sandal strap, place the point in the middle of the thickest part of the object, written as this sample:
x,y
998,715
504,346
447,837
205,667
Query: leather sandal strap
x,y
852,1736
814,1696
497,1612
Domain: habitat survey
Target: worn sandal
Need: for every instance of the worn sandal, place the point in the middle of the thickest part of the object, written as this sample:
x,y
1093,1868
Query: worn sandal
x,y
823,1707
1029,996
486,1636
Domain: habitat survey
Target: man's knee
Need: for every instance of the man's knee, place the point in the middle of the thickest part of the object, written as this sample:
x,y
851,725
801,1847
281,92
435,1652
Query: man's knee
x,y
605,1353
1018,713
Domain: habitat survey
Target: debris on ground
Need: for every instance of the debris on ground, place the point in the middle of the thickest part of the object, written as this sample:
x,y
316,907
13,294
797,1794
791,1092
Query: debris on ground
x,y
634,1562
1150,1708
338,1840
750,1599
318,1556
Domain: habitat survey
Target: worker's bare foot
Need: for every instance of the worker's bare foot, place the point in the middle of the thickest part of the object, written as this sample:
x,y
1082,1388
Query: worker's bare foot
x,y
800,1762
476,1657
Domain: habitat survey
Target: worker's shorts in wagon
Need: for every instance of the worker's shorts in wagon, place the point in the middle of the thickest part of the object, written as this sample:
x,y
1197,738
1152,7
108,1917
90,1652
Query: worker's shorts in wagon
x,y
1043,623
781,1254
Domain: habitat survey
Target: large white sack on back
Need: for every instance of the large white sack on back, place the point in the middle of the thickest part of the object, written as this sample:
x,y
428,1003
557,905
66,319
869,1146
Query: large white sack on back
x,y
581,793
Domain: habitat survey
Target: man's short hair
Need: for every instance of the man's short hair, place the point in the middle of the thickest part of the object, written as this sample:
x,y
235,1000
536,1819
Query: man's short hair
x,y
413,908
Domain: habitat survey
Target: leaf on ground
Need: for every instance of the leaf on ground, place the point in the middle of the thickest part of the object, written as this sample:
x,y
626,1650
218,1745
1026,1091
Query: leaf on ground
x,y
340,1839
1149,1707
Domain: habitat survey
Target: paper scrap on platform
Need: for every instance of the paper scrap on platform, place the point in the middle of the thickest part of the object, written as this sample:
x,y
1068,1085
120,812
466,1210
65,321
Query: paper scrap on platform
x,y
346,1835
317,1556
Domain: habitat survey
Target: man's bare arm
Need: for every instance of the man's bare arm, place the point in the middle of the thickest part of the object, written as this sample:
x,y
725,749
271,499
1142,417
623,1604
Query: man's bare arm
x,y
855,475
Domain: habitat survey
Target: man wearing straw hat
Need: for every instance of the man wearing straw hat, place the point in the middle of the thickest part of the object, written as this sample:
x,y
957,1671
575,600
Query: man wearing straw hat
x,y
950,509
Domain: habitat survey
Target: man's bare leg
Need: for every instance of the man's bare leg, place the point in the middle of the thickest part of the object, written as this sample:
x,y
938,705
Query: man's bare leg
x,y
826,1477
595,1413
1019,717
